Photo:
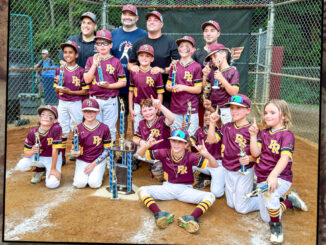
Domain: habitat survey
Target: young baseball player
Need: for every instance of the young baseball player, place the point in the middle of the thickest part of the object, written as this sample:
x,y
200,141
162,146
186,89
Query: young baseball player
x,y
177,166
153,124
44,140
94,142
105,92
144,84
235,139
274,145
223,78
216,174
188,85
71,94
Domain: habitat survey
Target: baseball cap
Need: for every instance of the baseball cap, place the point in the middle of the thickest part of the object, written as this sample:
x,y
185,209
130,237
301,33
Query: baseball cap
x,y
131,8
213,23
179,134
70,44
213,48
146,48
239,100
188,39
90,105
155,13
103,34
49,108
90,15
45,51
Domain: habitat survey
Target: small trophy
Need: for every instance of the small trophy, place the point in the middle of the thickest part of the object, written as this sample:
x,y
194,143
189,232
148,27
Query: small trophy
x,y
216,82
36,156
259,190
61,77
76,139
174,74
99,70
122,125
114,184
243,168
188,116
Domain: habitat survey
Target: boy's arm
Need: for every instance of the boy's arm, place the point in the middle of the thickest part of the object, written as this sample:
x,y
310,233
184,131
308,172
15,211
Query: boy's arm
x,y
147,144
211,136
278,169
212,163
169,117
53,170
160,97
89,74
231,90
255,149
189,89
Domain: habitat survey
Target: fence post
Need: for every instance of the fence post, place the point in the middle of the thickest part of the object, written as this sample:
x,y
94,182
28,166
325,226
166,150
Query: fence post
x,y
104,15
257,63
269,49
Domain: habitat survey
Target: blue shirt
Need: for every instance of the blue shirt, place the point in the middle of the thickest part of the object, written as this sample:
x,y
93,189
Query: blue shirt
x,y
122,44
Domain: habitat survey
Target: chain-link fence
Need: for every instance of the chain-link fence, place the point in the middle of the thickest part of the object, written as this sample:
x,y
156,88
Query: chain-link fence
x,y
284,47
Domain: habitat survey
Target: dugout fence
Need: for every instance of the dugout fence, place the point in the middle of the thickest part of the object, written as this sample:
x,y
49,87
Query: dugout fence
x,y
281,56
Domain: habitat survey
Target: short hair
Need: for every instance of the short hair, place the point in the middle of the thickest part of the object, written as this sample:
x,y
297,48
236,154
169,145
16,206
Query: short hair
x,y
284,110
146,102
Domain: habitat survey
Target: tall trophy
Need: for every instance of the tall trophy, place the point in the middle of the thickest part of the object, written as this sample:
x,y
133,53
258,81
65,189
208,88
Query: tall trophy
x,y
188,116
76,139
174,73
61,78
122,124
99,70
36,157
243,168
216,82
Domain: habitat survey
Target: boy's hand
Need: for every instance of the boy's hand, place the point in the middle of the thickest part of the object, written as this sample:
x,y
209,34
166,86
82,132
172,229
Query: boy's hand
x,y
63,63
244,160
96,59
132,114
206,70
184,124
89,168
214,117
103,84
156,70
156,102
64,90
201,148
253,129
55,173
56,78
73,153
151,141
272,183
179,88
218,75
169,86
35,148
134,68
206,103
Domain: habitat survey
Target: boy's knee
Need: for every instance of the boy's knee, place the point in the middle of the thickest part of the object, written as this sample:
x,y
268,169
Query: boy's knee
x,y
94,184
52,182
79,184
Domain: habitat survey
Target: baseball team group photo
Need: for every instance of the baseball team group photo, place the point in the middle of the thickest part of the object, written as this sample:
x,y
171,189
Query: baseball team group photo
x,y
170,124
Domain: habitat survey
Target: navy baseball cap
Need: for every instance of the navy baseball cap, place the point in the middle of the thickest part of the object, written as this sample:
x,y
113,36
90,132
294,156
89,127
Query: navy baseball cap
x,y
179,134
239,100
90,15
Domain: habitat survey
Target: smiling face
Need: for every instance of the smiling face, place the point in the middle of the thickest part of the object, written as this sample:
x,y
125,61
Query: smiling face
x,y
218,57
210,34
103,46
273,117
128,19
70,55
239,113
185,49
153,24
178,146
90,116
88,27
149,113
145,59
47,118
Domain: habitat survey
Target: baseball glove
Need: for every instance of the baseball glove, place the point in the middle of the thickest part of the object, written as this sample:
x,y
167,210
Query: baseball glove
x,y
157,171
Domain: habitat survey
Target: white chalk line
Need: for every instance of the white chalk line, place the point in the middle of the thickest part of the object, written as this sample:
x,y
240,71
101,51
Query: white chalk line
x,y
38,221
145,232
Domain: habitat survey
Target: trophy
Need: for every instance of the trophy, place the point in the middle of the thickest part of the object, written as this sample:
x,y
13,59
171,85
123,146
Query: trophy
x,y
99,70
76,139
188,116
216,82
114,183
259,190
243,168
174,74
36,156
122,124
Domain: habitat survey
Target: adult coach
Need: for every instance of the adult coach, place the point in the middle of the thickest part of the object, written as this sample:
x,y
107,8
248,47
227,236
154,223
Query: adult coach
x,y
85,40
123,39
164,46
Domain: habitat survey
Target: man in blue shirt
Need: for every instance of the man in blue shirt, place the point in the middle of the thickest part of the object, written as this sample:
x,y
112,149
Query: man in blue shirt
x,y
123,39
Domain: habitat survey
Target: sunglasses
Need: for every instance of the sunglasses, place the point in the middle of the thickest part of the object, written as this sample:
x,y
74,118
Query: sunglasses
x,y
179,133
238,99
102,43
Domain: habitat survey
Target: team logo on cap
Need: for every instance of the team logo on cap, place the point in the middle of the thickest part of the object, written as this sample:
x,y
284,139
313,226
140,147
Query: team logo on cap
x,y
89,103
146,48
102,33
88,14
49,107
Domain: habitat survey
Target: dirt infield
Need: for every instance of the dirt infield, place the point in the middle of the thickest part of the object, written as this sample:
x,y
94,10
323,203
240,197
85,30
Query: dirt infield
x,y
66,214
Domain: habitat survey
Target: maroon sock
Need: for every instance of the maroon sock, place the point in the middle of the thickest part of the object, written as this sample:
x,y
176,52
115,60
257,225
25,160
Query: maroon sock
x,y
287,203
37,169
274,214
275,219
63,150
197,213
150,203
201,208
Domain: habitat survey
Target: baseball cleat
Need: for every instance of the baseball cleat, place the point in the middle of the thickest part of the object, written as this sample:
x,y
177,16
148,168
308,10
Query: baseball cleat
x,y
202,183
163,219
296,201
37,177
72,158
276,232
189,223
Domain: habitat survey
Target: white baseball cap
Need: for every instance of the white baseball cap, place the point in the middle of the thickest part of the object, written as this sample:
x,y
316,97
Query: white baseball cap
x,y
44,51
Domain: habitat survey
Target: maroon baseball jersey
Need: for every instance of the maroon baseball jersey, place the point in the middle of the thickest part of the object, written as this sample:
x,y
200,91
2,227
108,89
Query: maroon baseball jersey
x,y
180,171
74,80
220,96
189,75
49,139
93,141
144,84
201,135
273,146
232,135
112,72
159,130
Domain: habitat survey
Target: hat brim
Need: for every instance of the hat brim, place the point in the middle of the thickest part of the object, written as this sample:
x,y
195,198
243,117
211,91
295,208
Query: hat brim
x,y
86,16
177,138
150,13
213,52
206,24
41,109
178,41
147,52
235,103
90,109
105,38
63,45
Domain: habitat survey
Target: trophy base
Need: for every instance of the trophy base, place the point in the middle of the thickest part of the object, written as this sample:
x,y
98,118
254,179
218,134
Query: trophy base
x,y
242,173
35,162
59,87
102,83
120,190
216,87
76,152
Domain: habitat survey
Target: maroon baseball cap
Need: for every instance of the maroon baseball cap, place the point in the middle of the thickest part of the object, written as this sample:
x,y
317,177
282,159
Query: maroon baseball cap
x,y
239,100
187,39
90,105
146,48
49,108
131,8
70,44
155,13
179,134
103,34
213,48
213,23
90,15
